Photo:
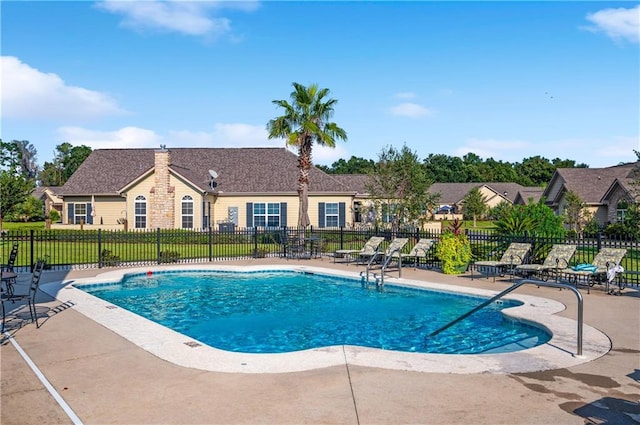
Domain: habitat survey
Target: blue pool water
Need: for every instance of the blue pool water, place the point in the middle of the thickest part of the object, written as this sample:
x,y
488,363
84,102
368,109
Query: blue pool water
x,y
283,311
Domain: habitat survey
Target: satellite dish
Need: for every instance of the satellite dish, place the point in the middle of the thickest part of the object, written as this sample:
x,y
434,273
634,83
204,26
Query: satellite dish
x,y
213,174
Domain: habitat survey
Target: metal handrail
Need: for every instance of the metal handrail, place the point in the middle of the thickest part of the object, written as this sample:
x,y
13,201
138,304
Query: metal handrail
x,y
513,288
386,263
387,259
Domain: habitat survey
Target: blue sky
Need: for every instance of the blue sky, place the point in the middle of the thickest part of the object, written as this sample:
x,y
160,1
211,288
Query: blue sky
x,y
504,80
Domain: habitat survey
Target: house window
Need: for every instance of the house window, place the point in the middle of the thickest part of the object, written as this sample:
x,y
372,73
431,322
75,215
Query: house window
x,y
187,212
79,213
140,212
388,212
331,214
266,214
621,210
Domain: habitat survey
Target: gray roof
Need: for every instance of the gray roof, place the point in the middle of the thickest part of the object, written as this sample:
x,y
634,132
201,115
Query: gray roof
x,y
357,182
534,193
590,184
240,170
453,193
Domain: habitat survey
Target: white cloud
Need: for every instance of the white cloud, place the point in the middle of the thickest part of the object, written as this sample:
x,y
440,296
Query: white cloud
x,y
222,136
235,135
326,156
28,93
185,17
411,110
127,137
618,24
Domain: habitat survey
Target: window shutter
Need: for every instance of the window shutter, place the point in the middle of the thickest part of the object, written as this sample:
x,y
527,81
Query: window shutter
x,y
321,220
342,208
249,214
69,213
89,218
283,214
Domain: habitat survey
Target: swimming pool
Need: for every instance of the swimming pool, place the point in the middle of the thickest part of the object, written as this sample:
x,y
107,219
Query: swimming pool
x,y
182,350
285,311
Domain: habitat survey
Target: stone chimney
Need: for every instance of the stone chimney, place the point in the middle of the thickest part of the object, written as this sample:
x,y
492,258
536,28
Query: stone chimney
x,y
162,195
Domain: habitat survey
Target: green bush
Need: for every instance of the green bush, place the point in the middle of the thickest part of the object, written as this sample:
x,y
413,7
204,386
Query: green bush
x,y
453,249
169,256
108,259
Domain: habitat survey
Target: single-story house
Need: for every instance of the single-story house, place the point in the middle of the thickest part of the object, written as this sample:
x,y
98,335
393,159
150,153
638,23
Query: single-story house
x,y
48,195
200,187
601,189
452,196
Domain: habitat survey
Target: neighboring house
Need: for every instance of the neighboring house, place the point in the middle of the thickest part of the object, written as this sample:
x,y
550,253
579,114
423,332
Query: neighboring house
x,y
601,189
528,195
48,195
452,196
195,188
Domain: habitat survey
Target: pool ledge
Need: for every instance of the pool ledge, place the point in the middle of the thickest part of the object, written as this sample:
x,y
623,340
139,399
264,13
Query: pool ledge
x,y
179,349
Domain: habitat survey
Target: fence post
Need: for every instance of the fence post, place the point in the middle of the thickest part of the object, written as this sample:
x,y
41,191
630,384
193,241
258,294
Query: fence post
x,y
158,246
255,242
31,249
210,244
599,241
341,237
99,248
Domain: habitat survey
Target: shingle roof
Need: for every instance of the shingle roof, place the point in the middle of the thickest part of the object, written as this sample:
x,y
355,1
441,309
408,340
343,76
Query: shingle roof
x,y
534,193
591,184
452,193
357,182
240,170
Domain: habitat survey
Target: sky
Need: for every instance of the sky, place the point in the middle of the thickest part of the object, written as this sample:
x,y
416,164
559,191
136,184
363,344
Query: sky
x,y
503,80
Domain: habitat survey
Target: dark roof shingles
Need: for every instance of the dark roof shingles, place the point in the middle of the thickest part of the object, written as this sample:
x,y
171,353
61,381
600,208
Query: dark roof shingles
x,y
240,170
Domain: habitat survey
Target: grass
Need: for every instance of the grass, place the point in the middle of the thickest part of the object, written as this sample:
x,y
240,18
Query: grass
x,y
10,225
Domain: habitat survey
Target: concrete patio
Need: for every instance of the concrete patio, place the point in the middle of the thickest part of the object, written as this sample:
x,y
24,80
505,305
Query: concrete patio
x,y
105,379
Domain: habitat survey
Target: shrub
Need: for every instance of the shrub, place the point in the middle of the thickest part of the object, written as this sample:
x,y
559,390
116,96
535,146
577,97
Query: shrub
x,y
108,259
169,256
453,249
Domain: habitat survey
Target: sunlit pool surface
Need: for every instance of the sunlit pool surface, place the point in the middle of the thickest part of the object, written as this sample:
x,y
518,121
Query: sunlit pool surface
x,y
285,311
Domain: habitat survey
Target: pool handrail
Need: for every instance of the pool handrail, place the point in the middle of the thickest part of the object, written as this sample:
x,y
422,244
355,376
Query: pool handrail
x,y
512,288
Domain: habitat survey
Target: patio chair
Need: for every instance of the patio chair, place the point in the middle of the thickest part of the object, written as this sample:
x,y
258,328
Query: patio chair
x,y
369,248
602,269
8,267
515,254
29,297
395,247
7,273
419,250
557,259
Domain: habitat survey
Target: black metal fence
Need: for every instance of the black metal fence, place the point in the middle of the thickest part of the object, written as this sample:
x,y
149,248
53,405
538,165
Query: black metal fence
x,y
77,249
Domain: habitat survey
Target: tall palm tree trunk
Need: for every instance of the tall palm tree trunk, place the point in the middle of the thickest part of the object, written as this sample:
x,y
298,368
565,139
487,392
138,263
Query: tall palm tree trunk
x,y
304,165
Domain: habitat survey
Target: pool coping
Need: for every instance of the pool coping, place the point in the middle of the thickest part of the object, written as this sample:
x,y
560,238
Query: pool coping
x,y
559,352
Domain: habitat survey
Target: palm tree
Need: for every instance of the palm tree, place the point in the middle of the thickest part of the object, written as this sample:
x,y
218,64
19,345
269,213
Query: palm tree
x,y
305,121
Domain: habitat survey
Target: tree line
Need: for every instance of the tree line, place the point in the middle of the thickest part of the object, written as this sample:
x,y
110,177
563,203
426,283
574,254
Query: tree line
x,y
440,168
20,174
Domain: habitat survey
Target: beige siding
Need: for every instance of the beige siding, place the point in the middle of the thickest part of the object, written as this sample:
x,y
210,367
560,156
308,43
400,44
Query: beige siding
x,y
491,198
141,188
183,189
109,210
222,204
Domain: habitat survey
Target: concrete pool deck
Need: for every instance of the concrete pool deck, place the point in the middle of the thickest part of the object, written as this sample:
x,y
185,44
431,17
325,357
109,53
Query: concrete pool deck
x,y
106,379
